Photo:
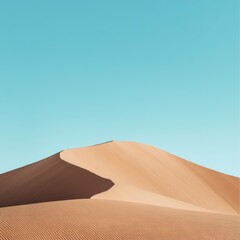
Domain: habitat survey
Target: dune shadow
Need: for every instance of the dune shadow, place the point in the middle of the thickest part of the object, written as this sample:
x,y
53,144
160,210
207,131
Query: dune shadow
x,y
51,179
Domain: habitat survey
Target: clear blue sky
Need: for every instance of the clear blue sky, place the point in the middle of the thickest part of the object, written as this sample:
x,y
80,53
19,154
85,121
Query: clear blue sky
x,y
76,73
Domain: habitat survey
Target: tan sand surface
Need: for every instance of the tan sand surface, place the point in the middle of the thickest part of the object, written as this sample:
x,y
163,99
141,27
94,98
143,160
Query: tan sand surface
x,y
145,174
122,190
105,219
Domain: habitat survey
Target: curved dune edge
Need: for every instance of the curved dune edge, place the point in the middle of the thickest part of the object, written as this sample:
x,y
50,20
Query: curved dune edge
x,y
146,174
104,219
47,180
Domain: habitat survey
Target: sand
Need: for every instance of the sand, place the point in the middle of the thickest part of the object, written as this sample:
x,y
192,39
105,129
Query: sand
x,y
122,190
105,219
145,174
49,180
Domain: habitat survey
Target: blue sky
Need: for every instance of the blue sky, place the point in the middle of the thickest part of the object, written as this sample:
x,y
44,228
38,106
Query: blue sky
x,y
76,73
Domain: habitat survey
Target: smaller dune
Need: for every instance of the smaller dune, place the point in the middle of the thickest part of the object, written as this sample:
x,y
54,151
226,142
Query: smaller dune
x,y
112,220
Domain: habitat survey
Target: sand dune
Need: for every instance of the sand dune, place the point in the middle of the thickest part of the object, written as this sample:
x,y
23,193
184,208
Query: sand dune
x,y
144,174
123,190
103,219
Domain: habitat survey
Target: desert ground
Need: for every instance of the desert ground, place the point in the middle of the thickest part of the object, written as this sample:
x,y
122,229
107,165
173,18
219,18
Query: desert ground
x,y
118,190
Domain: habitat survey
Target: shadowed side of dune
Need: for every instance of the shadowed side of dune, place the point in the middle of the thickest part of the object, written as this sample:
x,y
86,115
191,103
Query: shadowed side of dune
x,y
50,179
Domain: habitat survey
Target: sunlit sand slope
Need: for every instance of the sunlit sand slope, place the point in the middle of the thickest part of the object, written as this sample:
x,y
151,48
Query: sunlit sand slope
x,y
145,174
